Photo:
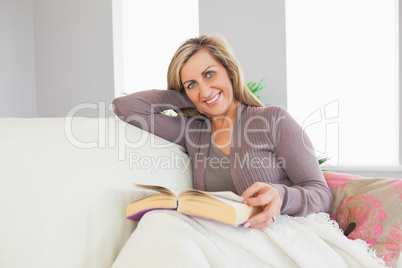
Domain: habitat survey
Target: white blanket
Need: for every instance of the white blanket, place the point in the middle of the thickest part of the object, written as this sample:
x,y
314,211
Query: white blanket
x,y
170,239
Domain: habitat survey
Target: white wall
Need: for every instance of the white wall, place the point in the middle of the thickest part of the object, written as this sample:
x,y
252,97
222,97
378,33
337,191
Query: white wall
x,y
73,55
17,72
255,30
118,58
55,55
369,171
67,47
152,31
400,81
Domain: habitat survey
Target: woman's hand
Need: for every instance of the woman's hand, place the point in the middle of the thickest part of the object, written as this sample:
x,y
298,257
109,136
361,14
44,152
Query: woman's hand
x,y
266,196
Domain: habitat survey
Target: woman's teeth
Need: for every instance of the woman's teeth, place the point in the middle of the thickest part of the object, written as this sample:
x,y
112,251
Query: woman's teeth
x,y
213,99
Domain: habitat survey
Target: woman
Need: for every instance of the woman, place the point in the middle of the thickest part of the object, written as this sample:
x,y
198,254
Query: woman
x,y
234,142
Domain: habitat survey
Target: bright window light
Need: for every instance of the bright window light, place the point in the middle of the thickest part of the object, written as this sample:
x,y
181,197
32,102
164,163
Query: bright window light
x,y
152,32
342,78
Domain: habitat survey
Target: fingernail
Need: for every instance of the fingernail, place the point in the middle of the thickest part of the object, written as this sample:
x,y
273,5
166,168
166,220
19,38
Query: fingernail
x,y
245,202
246,225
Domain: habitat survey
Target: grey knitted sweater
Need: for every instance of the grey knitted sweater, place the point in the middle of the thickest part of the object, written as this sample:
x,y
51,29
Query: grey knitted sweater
x,y
267,145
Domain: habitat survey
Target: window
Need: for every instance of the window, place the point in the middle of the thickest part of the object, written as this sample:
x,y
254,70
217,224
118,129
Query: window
x,y
151,33
342,70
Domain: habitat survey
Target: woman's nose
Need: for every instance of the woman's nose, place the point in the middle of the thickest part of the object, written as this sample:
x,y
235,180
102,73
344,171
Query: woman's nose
x,y
205,90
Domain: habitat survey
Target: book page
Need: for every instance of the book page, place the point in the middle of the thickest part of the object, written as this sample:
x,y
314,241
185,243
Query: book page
x,y
227,195
158,189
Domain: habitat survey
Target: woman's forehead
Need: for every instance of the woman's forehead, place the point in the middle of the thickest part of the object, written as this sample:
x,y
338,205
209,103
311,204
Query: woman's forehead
x,y
198,63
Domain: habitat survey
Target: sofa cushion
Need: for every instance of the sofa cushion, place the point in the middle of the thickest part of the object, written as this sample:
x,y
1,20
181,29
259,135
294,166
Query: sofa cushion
x,y
369,209
65,184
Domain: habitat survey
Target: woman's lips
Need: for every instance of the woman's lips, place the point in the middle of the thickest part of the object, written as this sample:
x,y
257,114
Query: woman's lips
x,y
214,99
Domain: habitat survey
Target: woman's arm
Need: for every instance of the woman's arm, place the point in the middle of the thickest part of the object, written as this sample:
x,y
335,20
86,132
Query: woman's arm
x,y
310,192
144,110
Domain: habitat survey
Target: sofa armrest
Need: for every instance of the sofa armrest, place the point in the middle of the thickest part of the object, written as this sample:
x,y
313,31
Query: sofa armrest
x,y
65,183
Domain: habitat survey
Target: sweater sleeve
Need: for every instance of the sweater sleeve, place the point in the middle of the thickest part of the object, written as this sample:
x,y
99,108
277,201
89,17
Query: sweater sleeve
x,y
144,110
309,192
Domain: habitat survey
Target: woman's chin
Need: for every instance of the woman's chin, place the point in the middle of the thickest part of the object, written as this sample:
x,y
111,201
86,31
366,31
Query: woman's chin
x,y
213,111
214,114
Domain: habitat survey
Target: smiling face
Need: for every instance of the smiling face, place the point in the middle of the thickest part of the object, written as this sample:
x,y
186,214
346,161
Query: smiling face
x,y
208,85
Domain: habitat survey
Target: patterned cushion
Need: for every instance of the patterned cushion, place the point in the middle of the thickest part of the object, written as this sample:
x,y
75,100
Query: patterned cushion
x,y
369,209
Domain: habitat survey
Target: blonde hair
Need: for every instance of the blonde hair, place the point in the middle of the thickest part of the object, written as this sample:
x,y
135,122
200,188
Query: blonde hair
x,y
217,46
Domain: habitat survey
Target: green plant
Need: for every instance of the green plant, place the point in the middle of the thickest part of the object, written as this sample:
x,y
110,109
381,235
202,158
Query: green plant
x,y
256,87
170,112
321,160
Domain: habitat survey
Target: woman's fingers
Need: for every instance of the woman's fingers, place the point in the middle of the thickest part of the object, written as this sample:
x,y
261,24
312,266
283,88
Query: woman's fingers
x,y
261,226
265,218
253,190
266,196
262,198
259,194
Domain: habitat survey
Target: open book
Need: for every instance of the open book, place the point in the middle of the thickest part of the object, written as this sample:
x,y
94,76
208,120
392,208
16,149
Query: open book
x,y
226,207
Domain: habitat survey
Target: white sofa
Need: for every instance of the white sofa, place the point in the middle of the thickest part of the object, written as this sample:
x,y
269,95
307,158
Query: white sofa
x,y
65,183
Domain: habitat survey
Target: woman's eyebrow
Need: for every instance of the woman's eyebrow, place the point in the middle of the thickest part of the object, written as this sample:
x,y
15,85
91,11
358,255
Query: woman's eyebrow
x,y
201,74
206,69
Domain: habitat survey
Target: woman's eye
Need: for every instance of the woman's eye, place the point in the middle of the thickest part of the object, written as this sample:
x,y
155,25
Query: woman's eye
x,y
209,74
191,85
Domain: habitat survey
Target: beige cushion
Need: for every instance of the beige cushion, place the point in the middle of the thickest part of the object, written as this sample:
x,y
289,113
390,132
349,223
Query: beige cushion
x,y
369,209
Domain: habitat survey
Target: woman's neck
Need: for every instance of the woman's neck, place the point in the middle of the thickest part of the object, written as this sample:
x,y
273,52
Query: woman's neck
x,y
225,120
